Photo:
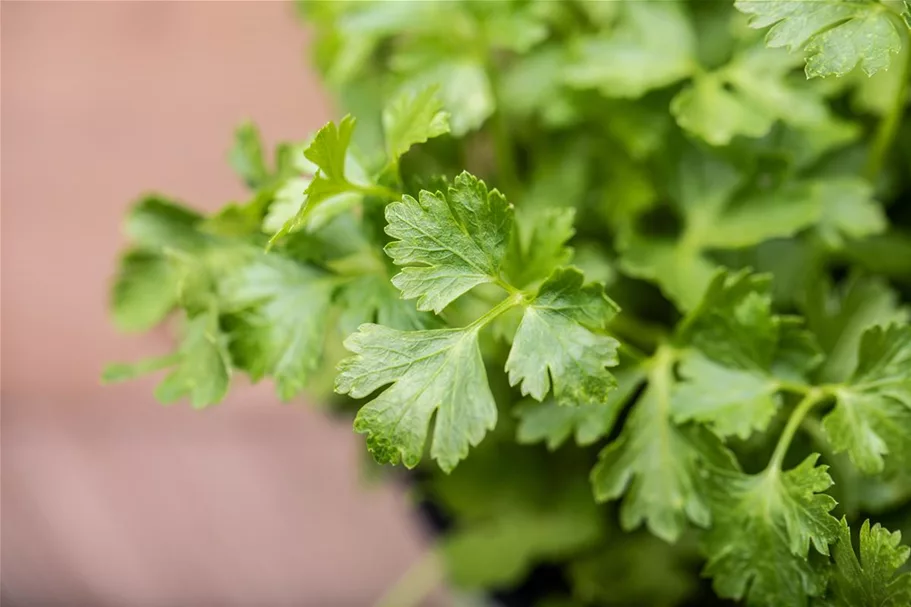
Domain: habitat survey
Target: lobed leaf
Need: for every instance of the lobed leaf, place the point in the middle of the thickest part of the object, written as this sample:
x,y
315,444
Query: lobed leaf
x,y
553,423
448,242
870,581
280,310
657,464
430,371
413,118
557,343
872,417
837,35
762,528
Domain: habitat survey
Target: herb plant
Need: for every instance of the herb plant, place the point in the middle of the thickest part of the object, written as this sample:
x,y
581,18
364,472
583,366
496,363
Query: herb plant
x,y
626,281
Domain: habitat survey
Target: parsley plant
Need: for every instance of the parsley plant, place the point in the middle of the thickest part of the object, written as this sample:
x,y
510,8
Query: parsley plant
x,y
628,280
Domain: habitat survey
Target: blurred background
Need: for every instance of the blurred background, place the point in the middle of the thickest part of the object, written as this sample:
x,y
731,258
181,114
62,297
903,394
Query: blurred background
x,y
108,498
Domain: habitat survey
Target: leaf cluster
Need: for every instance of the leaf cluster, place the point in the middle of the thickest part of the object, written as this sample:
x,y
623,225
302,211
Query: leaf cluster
x,y
627,282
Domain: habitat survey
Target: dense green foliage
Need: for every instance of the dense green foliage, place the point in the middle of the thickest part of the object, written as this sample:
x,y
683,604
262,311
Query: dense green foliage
x,y
628,282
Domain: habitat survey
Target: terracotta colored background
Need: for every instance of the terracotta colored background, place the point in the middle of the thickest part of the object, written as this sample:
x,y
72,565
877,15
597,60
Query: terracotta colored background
x,y
107,498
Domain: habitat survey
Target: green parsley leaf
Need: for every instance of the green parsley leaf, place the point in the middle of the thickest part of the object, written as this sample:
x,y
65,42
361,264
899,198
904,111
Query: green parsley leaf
x,y
870,581
246,156
443,44
746,97
199,275
555,342
329,153
761,531
516,26
657,464
874,94
437,370
633,559
740,348
501,552
516,508
640,126
731,401
279,194
448,242
534,84
413,118
734,323
329,150
872,416
349,32
708,109
155,223
289,199
463,87
240,220
784,212
118,372
837,35
144,291
651,45
716,217
290,205
840,316
888,253
681,272
851,212
735,326
538,244
147,285
553,423
701,186
372,298
280,310
202,365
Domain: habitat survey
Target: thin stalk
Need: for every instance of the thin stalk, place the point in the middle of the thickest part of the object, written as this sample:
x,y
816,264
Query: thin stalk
x,y
630,350
421,579
504,284
123,371
887,129
661,364
794,387
810,400
379,191
510,302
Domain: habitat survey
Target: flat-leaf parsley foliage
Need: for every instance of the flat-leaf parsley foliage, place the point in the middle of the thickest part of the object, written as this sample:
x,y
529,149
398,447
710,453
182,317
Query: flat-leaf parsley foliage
x,y
448,261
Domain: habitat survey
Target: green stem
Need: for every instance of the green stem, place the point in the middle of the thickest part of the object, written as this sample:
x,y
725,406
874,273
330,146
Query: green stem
x,y
661,364
422,578
630,350
504,284
888,126
812,398
118,372
512,301
379,191
794,387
